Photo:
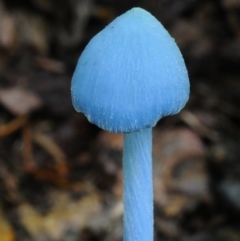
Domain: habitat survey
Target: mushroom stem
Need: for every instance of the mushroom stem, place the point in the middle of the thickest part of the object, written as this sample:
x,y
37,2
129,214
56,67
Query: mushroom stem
x,y
138,186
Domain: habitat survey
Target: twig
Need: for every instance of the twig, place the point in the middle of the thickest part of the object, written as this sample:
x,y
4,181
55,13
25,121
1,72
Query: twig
x,y
12,126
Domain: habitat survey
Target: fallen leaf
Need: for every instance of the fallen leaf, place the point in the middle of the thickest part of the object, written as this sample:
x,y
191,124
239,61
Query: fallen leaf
x,y
19,101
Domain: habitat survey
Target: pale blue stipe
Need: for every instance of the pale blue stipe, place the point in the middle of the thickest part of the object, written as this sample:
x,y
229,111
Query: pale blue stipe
x,y
138,186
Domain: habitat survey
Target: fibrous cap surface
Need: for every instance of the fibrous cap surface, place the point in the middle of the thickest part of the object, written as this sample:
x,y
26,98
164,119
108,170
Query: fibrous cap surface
x,y
130,75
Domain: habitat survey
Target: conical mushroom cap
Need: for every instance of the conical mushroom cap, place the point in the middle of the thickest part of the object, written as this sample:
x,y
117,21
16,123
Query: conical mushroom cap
x,y
130,75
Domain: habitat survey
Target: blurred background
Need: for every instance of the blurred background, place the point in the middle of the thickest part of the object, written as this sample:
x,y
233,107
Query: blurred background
x,y
61,177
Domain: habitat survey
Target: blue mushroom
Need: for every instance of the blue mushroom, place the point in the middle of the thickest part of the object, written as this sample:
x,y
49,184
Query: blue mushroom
x,y
130,75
